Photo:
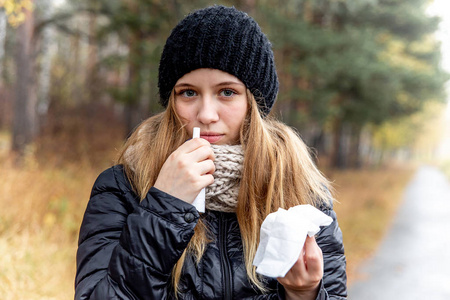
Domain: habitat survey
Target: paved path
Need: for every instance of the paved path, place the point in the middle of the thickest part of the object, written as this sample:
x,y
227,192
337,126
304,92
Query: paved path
x,y
413,261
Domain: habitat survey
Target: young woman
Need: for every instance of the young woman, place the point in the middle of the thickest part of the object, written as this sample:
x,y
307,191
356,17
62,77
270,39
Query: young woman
x,y
141,237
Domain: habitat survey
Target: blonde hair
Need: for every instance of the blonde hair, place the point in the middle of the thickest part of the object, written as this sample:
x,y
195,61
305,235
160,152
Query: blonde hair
x,y
278,172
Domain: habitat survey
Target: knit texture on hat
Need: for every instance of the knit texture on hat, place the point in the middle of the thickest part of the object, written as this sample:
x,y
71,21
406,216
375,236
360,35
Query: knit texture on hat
x,y
222,195
222,38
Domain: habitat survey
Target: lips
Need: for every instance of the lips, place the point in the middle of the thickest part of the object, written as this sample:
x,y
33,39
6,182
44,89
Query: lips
x,y
211,137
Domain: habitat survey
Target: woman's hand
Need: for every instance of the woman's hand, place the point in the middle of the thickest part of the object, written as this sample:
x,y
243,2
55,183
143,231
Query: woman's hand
x,y
187,170
303,279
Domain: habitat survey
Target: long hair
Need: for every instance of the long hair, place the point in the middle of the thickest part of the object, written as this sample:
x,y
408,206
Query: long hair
x,y
278,172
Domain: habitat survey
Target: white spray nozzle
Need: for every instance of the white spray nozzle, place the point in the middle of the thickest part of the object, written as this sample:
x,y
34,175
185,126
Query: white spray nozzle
x,y
196,133
199,201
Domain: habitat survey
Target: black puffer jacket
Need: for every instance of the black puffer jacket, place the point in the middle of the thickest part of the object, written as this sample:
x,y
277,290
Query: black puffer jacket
x,y
127,249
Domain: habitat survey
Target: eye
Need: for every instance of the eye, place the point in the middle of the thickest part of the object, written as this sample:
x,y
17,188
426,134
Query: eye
x,y
227,93
188,93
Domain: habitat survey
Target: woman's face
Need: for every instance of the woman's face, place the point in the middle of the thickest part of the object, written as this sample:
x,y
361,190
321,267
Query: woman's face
x,y
213,100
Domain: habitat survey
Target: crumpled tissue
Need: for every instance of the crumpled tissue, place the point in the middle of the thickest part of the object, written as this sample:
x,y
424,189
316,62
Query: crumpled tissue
x,y
283,234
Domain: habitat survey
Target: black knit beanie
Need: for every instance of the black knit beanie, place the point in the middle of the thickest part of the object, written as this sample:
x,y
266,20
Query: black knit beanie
x,y
222,38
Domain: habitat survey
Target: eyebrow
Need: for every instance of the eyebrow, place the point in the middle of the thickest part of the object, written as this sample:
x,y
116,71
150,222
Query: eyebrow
x,y
183,84
229,83
188,85
219,84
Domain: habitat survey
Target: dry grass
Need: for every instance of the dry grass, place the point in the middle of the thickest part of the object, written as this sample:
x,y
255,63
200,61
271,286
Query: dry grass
x,y
368,199
43,201
41,209
40,214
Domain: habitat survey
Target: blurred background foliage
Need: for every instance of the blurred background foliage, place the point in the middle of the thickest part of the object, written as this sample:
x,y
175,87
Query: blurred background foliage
x,y
347,68
361,81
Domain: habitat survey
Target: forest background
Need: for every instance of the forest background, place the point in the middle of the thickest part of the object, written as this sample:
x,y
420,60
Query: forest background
x,y
361,81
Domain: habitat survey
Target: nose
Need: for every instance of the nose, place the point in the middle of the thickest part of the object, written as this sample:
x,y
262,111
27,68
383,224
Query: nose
x,y
208,110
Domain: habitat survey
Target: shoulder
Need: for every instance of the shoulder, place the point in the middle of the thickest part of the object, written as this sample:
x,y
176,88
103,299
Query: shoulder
x,y
112,180
111,201
330,237
325,204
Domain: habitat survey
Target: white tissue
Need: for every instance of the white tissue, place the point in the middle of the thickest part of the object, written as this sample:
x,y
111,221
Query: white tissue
x,y
283,234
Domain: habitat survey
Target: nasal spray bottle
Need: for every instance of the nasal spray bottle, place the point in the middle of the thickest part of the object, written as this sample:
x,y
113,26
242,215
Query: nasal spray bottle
x,y
199,201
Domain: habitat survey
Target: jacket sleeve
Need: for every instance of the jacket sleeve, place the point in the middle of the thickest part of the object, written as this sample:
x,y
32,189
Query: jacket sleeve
x,y
127,249
329,239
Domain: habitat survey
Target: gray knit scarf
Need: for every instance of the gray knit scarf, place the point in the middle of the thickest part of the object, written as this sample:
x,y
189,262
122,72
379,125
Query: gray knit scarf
x,y
223,193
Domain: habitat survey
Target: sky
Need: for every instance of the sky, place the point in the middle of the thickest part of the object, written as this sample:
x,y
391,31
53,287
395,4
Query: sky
x,y
442,8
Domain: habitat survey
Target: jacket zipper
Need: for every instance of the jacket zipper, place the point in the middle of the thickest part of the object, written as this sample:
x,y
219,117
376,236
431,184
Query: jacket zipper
x,y
224,261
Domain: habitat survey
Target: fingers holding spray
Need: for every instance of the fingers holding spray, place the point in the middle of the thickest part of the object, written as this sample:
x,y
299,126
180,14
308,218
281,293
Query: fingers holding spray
x,y
188,170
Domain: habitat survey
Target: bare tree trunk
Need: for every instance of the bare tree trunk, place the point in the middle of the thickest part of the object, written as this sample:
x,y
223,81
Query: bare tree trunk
x,y
318,141
365,147
176,8
3,99
75,44
92,77
25,123
248,6
132,109
354,153
339,157
3,22
47,53
336,156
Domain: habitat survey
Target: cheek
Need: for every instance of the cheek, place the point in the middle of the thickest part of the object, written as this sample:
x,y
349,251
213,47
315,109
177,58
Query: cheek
x,y
236,116
183,112
241,112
